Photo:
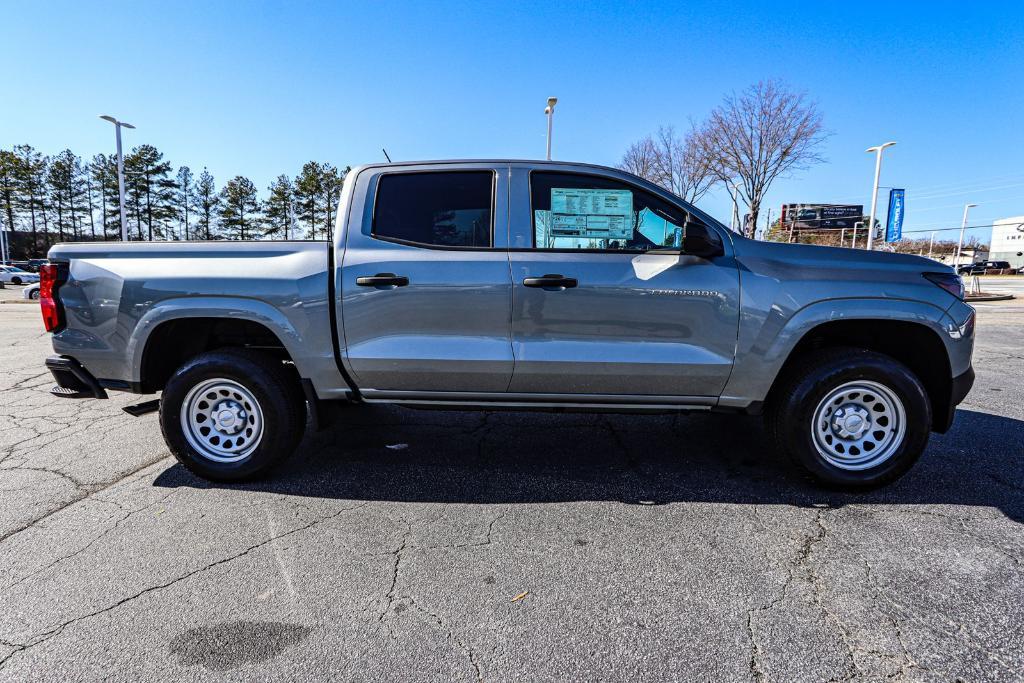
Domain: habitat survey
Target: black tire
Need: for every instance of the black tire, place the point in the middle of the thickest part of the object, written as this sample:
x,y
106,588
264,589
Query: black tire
x,y
34,294
280,401
15,280
789,415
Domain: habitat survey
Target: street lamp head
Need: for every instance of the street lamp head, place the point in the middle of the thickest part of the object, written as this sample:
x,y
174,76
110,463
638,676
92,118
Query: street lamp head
x,y
552,101
115,121
879,148
969,206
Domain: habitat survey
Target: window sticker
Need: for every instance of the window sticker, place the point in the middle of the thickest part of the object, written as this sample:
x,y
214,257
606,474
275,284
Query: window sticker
x,y
591,214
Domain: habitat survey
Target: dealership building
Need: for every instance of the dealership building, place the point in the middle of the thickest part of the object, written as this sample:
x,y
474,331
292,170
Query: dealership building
x,y
1007,242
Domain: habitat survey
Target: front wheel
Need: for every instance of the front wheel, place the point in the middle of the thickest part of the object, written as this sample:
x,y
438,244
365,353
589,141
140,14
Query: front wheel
x,y
232,414
852,418
15,280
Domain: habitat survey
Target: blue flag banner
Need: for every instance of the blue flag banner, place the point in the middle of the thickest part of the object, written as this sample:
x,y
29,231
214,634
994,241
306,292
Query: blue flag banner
x,y
894,226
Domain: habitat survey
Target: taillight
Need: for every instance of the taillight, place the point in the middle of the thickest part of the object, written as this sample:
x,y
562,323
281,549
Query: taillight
x,y
950,282
53,312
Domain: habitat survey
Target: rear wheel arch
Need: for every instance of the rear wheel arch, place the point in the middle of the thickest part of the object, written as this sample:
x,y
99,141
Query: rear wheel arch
x,y
173,342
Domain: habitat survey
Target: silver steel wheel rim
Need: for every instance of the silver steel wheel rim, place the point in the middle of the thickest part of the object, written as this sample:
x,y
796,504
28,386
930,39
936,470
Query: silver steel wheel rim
x,y
222,420
858,425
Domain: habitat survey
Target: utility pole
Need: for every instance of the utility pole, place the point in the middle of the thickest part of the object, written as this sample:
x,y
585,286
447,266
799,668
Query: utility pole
x,y
931,243
120,172
874,188
550,111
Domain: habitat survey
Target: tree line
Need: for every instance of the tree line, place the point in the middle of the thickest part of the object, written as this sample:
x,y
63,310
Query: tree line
x,y
745,143
47,199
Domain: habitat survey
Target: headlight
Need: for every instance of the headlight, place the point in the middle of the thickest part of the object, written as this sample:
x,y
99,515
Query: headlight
x,y
950,282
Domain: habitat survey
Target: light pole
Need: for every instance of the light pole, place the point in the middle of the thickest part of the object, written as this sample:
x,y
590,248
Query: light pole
x,y
931,243
874,189
963,226
550,111
120,172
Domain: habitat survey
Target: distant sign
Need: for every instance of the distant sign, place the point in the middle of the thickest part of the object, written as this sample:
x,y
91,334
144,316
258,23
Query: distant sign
x,y
821,216
894,225
591,214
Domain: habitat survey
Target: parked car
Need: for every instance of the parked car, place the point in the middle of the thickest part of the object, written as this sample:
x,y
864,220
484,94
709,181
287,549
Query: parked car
x,y
980,267
516,285
16,276
31,291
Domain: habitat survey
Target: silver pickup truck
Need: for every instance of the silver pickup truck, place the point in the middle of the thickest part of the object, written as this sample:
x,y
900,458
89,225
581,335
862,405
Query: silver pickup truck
x,y
515,285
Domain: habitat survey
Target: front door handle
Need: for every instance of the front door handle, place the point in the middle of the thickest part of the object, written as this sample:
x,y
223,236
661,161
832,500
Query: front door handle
x,y
551,282
382,280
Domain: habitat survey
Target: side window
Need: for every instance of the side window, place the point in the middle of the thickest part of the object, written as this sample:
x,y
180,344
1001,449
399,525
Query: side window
x,y
443,209
575,211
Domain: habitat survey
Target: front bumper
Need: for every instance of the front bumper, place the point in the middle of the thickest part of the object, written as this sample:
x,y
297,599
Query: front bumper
x,y
73,381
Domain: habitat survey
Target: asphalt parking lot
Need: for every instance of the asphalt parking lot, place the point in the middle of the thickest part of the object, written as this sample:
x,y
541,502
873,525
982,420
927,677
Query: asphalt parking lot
x,y
407,546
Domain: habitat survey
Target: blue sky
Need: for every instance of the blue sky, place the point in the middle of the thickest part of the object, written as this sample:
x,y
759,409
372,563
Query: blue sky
x,y
259,88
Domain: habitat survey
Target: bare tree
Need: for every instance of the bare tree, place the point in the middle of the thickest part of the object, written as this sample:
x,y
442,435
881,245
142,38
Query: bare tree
x,y
677,164
639,160
758,135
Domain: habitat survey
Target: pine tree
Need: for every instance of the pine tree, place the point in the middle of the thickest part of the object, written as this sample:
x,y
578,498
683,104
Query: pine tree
x,y
185,198
332,182
153,192
240,209
279,208
31,184
309,188
207,204
103,174
67,190
9,164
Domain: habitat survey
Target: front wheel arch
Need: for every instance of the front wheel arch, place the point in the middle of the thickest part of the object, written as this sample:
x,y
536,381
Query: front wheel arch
x,y
915,345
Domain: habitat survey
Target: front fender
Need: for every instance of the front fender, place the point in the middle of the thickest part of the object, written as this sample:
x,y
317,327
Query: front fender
x,y
767,338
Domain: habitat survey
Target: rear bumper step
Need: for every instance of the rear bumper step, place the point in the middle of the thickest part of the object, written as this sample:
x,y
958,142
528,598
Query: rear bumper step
x,y
73,381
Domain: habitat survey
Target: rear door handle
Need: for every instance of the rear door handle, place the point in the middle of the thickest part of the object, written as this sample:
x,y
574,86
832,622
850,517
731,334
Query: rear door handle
x,y
382,280
551,282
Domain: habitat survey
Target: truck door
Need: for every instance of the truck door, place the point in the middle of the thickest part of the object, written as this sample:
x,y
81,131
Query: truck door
x,y
603,300
424,284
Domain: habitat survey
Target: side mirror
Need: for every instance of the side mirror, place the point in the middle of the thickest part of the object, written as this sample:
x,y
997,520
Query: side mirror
x,y
698,240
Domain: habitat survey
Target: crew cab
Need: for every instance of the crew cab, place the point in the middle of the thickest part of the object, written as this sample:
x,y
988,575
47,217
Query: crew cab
x,y
515,285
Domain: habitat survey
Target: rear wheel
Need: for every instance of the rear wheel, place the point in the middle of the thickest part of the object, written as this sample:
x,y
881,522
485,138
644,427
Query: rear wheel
x,y
34,294
232,414
851,418
15,280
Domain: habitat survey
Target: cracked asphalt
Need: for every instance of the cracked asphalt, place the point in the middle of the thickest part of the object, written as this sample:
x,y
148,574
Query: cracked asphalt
x,y
441,546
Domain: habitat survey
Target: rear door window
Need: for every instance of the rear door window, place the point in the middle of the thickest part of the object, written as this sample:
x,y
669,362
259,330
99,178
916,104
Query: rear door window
x,y
435,209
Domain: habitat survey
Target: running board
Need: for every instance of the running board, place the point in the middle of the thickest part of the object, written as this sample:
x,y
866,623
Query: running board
x,y
142,408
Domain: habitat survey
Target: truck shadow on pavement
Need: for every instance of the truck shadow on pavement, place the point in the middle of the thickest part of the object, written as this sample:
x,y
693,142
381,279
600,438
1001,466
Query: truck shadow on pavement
x,y
383,453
